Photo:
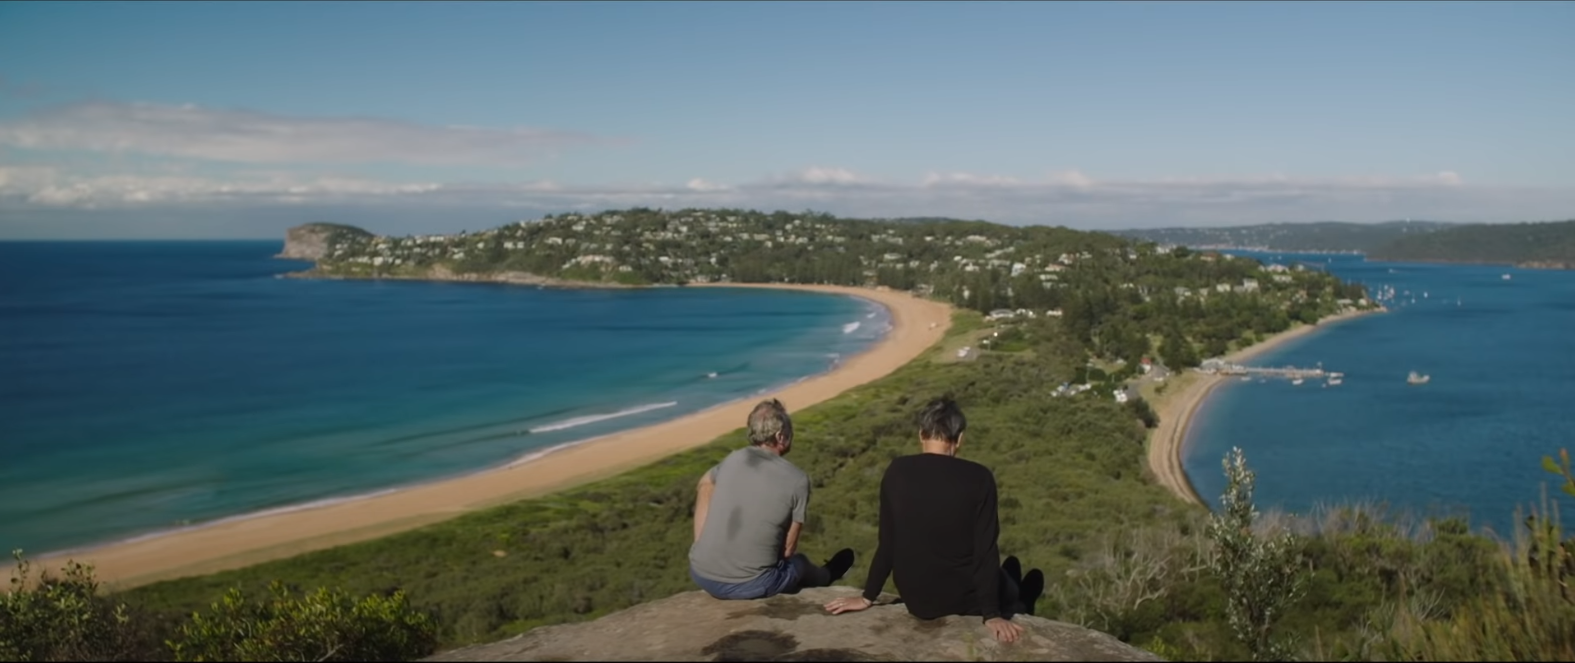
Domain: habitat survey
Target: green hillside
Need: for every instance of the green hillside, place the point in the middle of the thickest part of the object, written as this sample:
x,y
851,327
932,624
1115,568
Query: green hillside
x,y
1550,245
1322,236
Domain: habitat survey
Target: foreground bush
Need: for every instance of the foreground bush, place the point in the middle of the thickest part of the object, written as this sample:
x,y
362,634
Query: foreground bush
x,y
63,619
1529,616
66,619
325,625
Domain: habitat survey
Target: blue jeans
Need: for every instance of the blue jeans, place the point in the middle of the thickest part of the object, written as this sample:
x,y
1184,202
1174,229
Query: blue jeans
x,y
780,579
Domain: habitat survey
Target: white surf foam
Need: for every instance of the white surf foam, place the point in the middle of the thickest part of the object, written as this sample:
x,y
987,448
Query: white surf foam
x,y
591,419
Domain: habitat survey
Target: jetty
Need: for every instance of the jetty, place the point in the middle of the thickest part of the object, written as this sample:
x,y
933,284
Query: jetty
x,y
1222,367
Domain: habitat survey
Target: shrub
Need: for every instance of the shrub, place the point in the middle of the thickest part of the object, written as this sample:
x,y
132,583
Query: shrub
x,y
326,625
63,619
1144,412
1261,574
1530,616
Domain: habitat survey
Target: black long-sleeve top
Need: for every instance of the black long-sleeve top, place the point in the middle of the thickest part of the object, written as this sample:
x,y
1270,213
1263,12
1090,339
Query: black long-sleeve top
x,y
938,528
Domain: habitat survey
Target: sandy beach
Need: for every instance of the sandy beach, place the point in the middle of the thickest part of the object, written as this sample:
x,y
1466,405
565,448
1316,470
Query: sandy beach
x,y
1191,390
917,324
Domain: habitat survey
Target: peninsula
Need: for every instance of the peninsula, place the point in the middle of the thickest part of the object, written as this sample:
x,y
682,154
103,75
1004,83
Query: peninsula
x,y
1528,245
1317,237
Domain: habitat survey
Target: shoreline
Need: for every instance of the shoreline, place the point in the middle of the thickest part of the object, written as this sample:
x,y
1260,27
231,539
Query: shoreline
x,y
1177,410
916,325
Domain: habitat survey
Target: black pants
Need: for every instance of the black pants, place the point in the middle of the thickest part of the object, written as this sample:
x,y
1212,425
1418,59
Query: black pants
x,y
1011,597
810,574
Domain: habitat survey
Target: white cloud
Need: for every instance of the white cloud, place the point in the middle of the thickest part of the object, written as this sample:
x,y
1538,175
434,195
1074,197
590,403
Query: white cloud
x,y
818,175
192,132
1074,178
967,179
48,187
1070,198
698,184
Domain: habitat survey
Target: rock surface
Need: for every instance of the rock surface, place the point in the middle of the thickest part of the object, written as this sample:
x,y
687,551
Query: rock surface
x,y
310,241
695,627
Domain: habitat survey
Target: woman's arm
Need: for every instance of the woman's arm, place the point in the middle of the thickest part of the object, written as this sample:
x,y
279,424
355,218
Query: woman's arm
x,y
880,564
986,555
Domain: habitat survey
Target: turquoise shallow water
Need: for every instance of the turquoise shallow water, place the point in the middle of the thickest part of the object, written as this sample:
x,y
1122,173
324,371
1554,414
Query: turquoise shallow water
x,y
1501,356
151,385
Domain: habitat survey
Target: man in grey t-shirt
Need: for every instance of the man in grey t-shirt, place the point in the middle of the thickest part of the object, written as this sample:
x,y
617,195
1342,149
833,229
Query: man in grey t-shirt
x,y
748,516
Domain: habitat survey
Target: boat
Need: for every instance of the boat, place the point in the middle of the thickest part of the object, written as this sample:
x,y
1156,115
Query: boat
x,y
1335,379
1296,381
1506,277
1417,378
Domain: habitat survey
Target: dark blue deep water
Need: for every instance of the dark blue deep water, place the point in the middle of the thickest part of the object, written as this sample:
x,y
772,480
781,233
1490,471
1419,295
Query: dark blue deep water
x,y
1501,356
151,385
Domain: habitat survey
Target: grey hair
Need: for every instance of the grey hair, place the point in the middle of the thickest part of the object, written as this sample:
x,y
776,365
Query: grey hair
x,y
767,420
941,420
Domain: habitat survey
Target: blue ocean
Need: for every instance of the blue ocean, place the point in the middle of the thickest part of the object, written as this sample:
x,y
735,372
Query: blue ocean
x,y
1499,354
155,385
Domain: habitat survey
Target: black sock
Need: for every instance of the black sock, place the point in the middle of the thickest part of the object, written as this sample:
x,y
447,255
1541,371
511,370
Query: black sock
x,y
1013,569
1033,586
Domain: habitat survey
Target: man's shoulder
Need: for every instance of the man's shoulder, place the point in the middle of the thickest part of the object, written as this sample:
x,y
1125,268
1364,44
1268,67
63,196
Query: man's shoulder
x,y
793,471
760,460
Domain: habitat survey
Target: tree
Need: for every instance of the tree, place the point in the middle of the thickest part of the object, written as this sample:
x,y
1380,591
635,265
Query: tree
x,y
1262,575
1177,350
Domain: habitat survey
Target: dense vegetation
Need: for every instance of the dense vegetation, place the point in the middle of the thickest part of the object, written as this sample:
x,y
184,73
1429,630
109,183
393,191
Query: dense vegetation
x,y
1322,236
67,618
1529,244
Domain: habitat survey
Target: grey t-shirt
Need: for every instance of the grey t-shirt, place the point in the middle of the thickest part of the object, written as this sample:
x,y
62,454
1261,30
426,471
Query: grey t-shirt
x,y
758,495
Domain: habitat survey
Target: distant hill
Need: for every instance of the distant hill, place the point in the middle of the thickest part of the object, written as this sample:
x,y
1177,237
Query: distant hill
x,y
1332,236
1545,245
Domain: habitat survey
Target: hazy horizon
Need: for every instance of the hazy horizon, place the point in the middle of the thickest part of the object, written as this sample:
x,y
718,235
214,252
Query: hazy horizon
x,y
266,226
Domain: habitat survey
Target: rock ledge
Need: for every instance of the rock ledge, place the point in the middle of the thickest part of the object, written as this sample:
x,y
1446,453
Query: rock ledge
x,y
693,626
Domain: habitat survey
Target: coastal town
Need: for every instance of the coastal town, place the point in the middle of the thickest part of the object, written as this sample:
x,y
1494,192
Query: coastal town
x,y
984,266
1180,305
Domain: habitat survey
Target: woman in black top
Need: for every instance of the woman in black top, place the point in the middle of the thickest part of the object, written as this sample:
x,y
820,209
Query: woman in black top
x,y
938,529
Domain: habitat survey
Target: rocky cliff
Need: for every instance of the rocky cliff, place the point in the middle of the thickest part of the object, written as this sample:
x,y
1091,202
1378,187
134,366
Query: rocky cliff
x,y
695,627
310,241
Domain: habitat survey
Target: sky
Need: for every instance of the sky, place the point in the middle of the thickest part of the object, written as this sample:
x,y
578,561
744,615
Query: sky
x,y
238,120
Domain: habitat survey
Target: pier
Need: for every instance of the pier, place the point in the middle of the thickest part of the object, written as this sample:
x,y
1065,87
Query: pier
x,y
1222,367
